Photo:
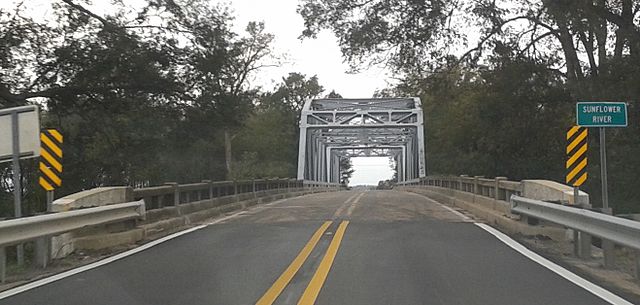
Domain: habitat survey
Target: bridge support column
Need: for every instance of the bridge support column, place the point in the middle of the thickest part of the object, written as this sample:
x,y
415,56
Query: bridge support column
x,y
302,149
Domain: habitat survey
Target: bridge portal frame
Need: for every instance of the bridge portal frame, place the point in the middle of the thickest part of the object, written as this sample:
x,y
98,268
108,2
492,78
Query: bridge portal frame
x,y
328,125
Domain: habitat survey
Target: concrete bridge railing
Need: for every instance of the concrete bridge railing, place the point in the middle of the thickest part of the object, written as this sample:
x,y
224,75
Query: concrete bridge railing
x,y
167,208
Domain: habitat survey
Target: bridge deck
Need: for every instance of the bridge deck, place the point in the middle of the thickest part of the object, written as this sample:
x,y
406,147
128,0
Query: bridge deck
x,y
397,248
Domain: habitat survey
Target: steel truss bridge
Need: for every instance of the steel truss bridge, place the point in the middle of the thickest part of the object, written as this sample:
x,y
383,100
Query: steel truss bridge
x,y
331,129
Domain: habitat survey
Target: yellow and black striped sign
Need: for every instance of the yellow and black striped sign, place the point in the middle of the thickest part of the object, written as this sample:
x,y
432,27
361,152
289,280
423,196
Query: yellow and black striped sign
x,y
50,159
576,155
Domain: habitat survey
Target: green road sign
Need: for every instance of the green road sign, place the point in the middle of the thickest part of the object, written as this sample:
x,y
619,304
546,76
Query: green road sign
x,y
601,114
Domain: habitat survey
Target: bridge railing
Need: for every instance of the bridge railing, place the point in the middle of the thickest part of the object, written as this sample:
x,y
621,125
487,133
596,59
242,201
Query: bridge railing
x,y
173,194
160,210
498,188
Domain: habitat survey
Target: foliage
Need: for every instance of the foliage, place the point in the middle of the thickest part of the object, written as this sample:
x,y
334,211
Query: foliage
x,y
346,170
272,131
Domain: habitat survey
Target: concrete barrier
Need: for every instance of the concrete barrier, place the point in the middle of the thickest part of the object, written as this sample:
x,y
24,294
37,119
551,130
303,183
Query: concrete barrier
x,y
158,222
552,191
92,198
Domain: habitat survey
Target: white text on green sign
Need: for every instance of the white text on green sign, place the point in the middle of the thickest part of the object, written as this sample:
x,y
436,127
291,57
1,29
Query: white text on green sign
x,y
601,114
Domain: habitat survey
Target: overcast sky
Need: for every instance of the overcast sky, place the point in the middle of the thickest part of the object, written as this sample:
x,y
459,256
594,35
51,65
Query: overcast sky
x,y
320,57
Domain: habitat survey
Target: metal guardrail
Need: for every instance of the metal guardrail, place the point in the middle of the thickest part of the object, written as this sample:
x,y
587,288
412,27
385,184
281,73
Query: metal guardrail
x,y
15,231
28,228
585,223
621,231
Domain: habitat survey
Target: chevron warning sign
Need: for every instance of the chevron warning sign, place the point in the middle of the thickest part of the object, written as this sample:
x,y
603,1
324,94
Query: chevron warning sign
x,y
576,155
50,159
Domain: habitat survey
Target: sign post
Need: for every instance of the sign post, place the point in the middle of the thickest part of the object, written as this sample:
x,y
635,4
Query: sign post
x,y
19,129
603,115
17,179
576,166
50,178
603,171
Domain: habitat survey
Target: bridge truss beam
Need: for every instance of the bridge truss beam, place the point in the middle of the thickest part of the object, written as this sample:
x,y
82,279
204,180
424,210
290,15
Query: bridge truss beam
x,y
331,129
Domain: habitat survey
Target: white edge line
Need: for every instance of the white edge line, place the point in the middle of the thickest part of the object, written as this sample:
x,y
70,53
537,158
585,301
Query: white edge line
x,y
570,276
20,289
68,273
464,217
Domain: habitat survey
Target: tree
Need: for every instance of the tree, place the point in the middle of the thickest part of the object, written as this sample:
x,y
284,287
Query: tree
x,y
401,33
271,133
420,37
227,83
292,93
333,94
140,99
346,170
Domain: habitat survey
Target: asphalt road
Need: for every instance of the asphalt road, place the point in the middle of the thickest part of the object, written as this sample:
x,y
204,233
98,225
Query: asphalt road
x,y
375,247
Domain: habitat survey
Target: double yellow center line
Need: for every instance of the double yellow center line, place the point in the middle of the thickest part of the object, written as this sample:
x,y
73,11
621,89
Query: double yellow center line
x,y
313,289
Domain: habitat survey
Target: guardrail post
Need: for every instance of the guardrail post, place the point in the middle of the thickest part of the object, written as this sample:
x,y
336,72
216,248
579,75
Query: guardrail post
x,y
581,244
608,251
608,248
42,251
497,188
581,240
43,244
636,265
3,265
176,193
